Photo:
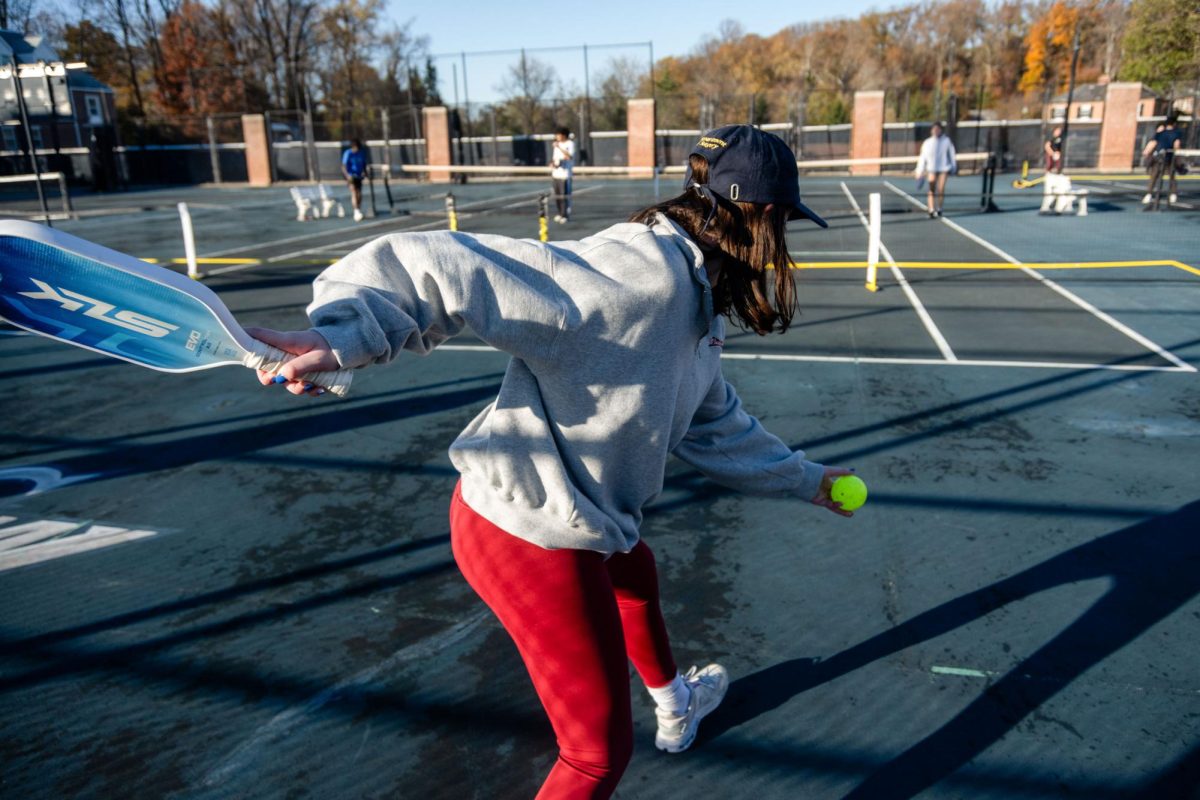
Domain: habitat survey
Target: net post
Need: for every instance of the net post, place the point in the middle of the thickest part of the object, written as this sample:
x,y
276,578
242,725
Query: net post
x,y
873,234
387,187
987,202
189,242
371,187
451,211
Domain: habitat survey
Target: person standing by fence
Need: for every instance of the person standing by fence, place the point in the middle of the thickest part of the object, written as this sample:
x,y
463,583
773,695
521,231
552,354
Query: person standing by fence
x,y
1159,157
354,167
936,162
562,162
1052,148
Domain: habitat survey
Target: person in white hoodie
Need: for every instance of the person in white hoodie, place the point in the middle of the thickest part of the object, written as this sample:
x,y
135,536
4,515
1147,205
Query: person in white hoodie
x,y
936,162
562,172
616,347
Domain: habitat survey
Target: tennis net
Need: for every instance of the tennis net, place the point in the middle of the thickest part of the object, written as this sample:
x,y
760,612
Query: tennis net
x,y
518,199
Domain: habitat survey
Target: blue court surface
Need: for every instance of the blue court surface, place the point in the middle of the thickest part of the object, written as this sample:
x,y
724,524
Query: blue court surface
x,y
209,589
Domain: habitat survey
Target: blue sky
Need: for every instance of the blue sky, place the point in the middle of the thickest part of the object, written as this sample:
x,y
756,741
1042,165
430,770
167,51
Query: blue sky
x,y
675,28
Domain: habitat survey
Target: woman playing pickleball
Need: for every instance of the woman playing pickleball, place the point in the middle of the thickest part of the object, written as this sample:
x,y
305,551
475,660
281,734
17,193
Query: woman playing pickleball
x,y
616,364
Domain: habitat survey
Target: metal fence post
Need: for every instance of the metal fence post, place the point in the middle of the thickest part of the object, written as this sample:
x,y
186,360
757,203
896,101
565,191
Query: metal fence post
x,y
213,156
270,145
385,123
311,166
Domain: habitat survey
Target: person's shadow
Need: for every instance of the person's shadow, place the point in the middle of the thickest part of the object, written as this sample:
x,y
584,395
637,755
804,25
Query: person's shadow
x,y
1153,568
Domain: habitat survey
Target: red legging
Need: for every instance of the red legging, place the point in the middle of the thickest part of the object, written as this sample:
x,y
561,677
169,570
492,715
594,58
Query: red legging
x,y
573,616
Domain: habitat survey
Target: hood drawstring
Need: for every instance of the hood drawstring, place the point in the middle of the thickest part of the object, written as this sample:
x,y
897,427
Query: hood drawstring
x,y
708,195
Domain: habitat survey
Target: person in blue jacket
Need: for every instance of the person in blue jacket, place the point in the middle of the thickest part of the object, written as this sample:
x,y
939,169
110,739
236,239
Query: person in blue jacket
x,y
354,167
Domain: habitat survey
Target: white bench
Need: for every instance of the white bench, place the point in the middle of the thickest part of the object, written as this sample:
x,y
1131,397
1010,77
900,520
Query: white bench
x,y
1059,197
315,201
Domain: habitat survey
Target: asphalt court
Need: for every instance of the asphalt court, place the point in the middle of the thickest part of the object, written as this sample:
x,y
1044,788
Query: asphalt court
x,y
249,595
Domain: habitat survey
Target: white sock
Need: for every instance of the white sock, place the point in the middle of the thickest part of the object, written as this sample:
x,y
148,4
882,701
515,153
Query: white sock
x,y
674,697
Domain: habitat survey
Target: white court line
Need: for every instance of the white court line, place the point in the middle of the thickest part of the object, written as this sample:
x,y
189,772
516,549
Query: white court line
x,y
464,213
962,362
376,224
1142,190
283,724
825,253
302,237
43,540
318,249
917,305
1049,284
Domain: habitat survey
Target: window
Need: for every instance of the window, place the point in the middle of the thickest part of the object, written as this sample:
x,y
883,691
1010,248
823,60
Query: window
x,y
1058,112
36,130
1083,111
10,137
95,112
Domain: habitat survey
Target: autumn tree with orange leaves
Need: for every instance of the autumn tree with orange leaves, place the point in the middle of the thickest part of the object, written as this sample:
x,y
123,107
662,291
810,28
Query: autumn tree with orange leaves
x,y
198,74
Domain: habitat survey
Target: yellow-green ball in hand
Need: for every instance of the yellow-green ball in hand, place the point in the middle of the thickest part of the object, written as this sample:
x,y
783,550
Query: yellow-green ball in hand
x,y
850,491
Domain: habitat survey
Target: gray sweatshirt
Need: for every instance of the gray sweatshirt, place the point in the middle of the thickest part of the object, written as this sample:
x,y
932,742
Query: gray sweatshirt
x,y
616,364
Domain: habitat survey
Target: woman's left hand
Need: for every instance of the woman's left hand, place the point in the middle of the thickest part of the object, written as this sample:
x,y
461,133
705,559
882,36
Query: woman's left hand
x,y
823,499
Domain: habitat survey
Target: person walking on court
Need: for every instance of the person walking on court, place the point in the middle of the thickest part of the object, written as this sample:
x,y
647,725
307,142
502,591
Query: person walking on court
x,y
562,163
354,167
616,345
1159,157
936,162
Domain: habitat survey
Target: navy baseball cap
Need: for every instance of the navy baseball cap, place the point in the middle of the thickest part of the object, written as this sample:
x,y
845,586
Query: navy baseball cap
x,y
752,166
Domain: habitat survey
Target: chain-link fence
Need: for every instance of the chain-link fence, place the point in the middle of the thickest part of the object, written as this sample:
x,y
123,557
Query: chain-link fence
x,y
309,147
198,149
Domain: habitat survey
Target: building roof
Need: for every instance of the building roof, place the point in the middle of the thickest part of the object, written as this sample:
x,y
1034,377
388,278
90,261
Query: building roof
x,y
81,79
27,49
1095,93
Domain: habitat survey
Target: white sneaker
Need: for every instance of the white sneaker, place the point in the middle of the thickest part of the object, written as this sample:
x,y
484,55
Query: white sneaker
x,y
1172,200
358,215
677,732
1146,200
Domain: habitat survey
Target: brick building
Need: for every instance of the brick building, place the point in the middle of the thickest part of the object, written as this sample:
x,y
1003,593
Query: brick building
x,y
66,105
1087,104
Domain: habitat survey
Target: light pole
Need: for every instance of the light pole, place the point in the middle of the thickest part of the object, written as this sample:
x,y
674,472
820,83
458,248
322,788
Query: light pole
x,y
1062,161
37,172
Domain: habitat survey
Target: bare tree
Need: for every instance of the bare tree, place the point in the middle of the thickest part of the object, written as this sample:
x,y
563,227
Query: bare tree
x,y
526,87
280,36
401,49
130,52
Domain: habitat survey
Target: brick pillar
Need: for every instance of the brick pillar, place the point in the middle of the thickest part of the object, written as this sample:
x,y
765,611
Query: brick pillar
x,y
258,149
866,134
436,120
1118,131
641,137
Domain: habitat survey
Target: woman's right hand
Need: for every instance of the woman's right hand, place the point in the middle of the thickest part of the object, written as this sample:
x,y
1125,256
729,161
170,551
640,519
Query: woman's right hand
x,y
313,354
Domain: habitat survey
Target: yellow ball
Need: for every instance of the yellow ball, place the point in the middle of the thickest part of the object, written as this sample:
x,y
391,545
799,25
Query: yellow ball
x,y
850,491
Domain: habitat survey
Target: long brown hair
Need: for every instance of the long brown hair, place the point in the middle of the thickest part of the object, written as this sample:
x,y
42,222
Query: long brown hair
x,y
758,293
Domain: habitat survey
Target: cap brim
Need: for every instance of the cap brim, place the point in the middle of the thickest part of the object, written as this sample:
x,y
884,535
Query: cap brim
x,y
801,211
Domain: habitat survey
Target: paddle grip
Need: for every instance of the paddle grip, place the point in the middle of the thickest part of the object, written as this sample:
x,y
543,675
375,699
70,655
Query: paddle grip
x,y
270,359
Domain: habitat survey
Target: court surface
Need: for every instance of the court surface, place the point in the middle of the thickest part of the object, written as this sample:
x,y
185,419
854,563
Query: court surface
x,y
213,590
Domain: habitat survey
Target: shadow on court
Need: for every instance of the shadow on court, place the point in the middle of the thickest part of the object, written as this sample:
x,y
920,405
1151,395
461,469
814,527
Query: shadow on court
x,y
1153,568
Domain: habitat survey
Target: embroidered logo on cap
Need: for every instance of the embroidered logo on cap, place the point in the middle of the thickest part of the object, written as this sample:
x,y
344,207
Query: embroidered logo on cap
x,y
711,143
